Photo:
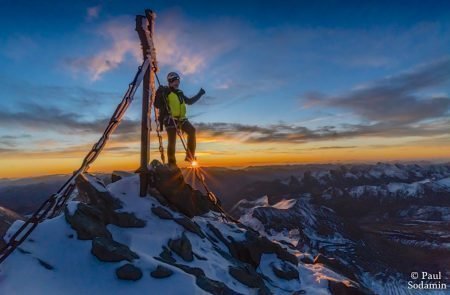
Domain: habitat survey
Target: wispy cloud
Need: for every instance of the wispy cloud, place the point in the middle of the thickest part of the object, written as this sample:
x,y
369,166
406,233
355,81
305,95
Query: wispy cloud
x,y
335,147
11,141
121,42
52,95
182,45
38,118
188,45
290,134
397,99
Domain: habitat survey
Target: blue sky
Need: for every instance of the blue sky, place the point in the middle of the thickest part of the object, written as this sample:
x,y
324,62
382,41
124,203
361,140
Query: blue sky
x,y
301,74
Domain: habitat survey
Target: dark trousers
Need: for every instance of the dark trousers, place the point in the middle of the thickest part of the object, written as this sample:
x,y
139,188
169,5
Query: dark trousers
x,y
186,127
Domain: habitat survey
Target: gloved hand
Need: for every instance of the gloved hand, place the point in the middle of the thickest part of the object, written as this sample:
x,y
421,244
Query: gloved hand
x,y
202,91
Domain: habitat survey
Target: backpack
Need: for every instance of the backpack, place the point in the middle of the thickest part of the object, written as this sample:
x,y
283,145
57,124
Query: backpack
x,y
161,104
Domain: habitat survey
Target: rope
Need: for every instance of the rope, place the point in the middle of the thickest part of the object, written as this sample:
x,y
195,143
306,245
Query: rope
x,y
160,139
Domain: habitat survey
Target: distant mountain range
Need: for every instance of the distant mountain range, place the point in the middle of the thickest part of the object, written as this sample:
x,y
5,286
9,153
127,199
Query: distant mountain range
x,y
376,223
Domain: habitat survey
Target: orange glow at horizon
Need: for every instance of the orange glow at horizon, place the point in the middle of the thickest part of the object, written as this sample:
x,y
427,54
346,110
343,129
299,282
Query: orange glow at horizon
x,y
16,166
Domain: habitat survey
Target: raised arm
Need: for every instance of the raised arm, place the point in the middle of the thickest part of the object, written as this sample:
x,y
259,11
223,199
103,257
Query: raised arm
x,y
193,99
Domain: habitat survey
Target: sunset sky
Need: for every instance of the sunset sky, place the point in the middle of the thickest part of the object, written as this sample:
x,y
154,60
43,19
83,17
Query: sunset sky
x,y
285,81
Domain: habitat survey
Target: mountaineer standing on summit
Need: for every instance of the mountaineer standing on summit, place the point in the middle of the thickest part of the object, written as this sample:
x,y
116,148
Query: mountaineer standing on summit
x,y
171,104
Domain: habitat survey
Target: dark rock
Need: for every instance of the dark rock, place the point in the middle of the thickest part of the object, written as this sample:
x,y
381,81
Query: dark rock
x,y
334,264
205,283
129,272
161,212
126,219
247,275
106,249
161,272
218,234
284,255
157,195
190,225
212,239
7,218
199,257
182,247
169,181
214,287
118,175
88,222
23,251
307,259
45,264
195,271
341,288
166,255
286,271
92,190
224,254
251,249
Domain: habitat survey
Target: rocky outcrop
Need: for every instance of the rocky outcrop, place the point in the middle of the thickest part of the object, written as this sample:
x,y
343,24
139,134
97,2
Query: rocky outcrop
x,y
126,219
161,212
285,271
345,288
161,272
118,175
7,217
129,272
334,264
190,225
213,287
251,249
88,222
108,250
90,219
247,275
205,283
91,190
169,182
182,246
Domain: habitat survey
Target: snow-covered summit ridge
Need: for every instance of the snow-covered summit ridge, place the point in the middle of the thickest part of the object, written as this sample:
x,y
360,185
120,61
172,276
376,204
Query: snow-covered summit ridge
x,y
111,241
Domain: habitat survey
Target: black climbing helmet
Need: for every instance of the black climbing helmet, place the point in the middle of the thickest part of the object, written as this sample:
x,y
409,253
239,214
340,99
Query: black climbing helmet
x,y
172,76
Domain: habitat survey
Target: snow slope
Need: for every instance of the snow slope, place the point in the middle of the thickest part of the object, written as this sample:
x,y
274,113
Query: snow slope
x,y
53,261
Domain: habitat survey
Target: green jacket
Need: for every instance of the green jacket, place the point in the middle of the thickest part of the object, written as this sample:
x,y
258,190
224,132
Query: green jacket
x,y
172,102
177,105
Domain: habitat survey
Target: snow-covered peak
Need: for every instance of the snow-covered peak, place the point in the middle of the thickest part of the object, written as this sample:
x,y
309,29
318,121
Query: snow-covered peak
x,y
145,244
